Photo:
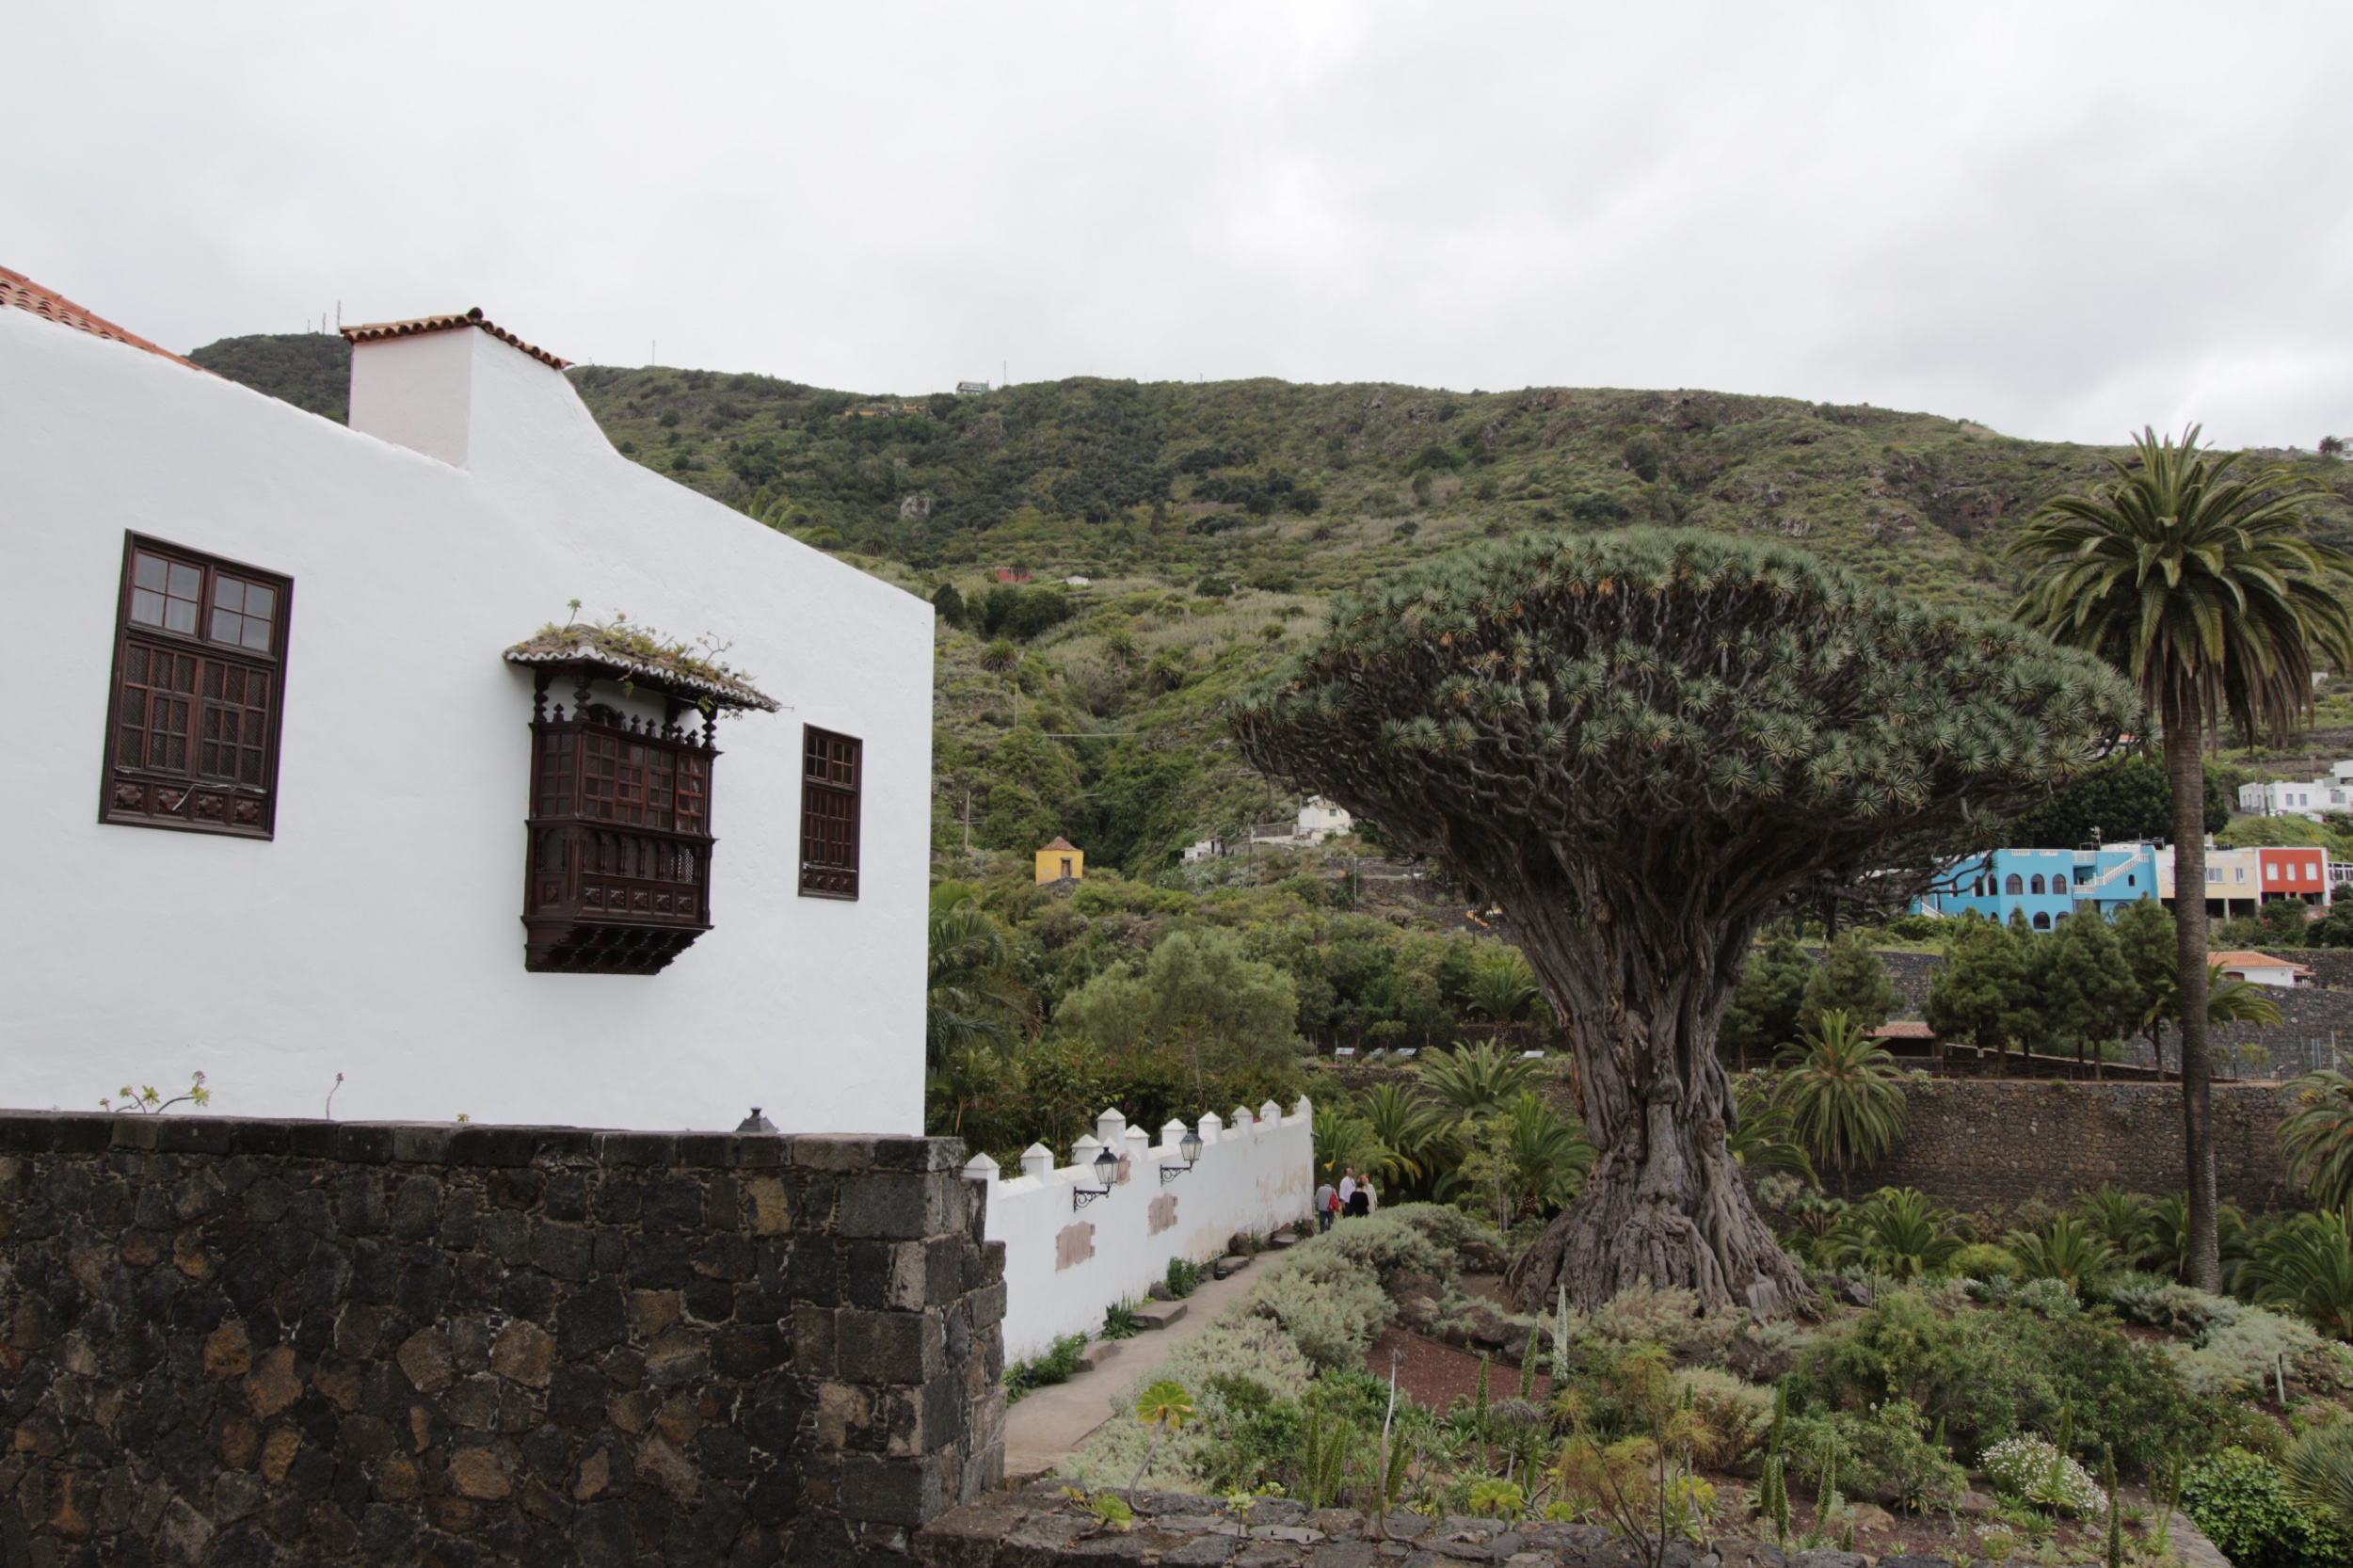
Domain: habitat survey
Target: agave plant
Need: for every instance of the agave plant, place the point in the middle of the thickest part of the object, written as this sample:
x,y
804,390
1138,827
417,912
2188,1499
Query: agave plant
x,y
2318,1137
2306,1265
1844,1094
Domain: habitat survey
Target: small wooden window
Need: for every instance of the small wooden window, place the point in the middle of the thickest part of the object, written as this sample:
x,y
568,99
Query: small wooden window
x,y
193,717
830,768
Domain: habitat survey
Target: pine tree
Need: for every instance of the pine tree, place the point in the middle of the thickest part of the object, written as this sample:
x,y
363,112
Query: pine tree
x,y
1852,980
1763,1015
2088,990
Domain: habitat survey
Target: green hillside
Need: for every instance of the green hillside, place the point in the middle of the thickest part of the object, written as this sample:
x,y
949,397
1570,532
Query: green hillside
x,y
1211,519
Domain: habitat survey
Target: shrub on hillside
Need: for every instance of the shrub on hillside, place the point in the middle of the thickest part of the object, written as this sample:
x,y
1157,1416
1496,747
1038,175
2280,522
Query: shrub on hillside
x,y
1884,1452
1991,1375
2241,1501
1734,1414
1387,1244
1328,1304
2237,1356
2031,1469
1671,1317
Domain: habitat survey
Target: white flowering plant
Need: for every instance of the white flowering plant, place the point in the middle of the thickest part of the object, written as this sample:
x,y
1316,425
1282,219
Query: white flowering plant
x,y
2033,1469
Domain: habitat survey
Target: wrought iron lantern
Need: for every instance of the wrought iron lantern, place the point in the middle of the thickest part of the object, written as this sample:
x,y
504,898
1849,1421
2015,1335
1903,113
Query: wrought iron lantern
x,y
1106,1168
1190,1147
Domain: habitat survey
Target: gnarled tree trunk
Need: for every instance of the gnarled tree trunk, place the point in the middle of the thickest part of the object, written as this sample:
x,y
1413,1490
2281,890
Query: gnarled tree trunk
x,y
1642,997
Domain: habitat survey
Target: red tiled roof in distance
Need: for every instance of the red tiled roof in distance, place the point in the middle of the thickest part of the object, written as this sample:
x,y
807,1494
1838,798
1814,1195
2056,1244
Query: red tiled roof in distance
x,y
22,292
1903,1029
376,331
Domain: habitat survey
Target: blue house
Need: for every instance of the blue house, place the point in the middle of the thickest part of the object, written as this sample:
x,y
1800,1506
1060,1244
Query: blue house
x,y
2045,885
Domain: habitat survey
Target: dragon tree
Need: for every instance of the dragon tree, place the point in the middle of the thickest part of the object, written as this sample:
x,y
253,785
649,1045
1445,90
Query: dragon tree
x,y
1640,744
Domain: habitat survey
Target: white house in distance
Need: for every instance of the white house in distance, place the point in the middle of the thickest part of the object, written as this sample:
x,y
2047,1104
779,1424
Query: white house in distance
x,y
2261,968
329,785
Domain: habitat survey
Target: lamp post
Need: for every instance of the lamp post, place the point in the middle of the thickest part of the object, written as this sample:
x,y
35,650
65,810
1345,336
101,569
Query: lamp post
x,y
1190,1147
1106,1167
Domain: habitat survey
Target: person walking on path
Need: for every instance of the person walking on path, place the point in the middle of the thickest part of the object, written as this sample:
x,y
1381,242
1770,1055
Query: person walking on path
x,y
1360,1201
1326,1200
1348,1191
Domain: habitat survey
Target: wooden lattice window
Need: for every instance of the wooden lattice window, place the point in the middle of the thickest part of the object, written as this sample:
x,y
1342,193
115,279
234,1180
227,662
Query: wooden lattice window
x,y
831,766
193,718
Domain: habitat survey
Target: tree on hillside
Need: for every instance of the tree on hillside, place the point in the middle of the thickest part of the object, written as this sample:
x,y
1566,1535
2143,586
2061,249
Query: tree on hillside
x,y
971,996
1851,980
1503,987
1640,744
1844,1096
2087,990
1980,993
2146,942
2127,797
2210,592
1762,1016
1199,993
949,605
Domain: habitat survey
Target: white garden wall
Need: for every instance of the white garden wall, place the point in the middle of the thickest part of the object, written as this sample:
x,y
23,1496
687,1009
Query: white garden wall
x,y
378,935
1066,1262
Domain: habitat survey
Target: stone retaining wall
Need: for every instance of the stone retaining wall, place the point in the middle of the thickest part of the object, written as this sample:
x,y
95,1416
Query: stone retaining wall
x,y
1976,1143
1988,1142
247,1342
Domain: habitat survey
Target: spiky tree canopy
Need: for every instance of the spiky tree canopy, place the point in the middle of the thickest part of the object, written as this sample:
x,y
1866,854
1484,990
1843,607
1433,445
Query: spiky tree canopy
x,y
1672,714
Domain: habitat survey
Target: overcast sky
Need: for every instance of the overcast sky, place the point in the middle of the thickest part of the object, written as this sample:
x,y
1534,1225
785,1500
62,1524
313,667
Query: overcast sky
x,y
2062,220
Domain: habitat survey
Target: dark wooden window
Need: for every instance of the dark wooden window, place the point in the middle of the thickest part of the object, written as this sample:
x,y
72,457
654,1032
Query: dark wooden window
x,y
198,674
619,877
830,769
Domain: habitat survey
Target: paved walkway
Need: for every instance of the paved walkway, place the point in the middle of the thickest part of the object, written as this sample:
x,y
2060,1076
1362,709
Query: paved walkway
x,y
1054,1420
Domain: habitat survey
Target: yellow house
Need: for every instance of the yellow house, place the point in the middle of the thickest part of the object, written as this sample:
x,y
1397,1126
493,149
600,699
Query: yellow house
x,y
1061,862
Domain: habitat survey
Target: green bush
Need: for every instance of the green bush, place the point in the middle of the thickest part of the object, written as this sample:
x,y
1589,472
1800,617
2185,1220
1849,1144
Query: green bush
x,y
1884,1453
1328,1303
2236,1355
1056,1365
1984,1260
2241,1501
1183,1278
1387,1244
1990,1375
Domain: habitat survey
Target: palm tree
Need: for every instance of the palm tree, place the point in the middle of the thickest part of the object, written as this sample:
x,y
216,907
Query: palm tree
x,y
2317,1138
2208,591
1475,1080
1844,1095
1903,1232
2066,1249
971,996
1413,1134
1003,657
2306,1265
1503,987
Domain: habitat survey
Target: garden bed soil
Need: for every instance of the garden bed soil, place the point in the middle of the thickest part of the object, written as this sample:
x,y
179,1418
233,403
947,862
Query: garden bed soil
x,y
1436,1374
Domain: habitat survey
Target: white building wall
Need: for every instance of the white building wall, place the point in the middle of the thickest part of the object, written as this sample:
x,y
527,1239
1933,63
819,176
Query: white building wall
x,y
378,935
1065,1265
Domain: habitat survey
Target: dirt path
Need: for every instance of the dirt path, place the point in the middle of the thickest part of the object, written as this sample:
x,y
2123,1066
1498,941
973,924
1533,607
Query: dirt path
x,y
1055,1420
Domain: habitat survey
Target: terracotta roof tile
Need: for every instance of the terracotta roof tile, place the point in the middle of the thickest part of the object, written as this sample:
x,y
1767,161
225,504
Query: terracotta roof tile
x,y
22,292
2245,960
641,661
376,331
1058,844
1903,1029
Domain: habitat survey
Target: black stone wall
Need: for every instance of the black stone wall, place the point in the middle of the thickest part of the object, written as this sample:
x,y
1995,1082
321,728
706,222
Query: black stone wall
x,y
256,1342
1994,1143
